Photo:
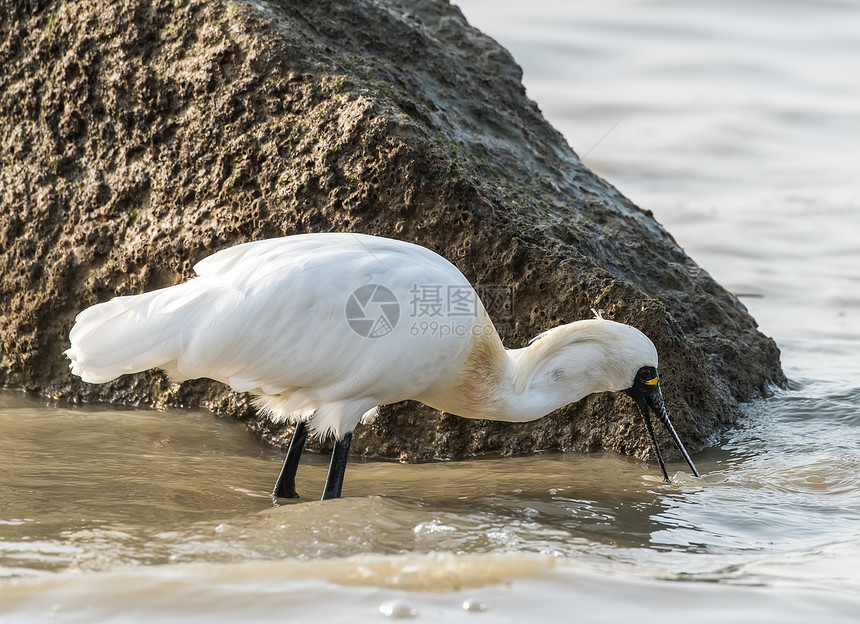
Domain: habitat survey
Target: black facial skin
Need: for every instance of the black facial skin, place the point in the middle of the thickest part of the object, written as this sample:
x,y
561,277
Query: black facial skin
x,y
646,392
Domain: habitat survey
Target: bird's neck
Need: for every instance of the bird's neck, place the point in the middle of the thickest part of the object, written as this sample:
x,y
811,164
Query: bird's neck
x,y
514,385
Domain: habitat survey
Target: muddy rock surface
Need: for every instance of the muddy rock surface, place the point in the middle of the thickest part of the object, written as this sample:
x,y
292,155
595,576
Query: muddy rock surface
x,y
139,136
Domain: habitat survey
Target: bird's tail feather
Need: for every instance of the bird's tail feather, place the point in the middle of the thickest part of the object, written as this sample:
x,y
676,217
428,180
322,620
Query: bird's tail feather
x,y
132,334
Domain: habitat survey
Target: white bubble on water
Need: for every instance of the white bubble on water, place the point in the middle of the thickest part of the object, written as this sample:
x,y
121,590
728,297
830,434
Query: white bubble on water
x,y
474,605
431,527
399,609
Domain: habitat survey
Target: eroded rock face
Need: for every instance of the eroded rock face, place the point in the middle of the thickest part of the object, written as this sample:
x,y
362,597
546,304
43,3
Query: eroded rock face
x,y
140,136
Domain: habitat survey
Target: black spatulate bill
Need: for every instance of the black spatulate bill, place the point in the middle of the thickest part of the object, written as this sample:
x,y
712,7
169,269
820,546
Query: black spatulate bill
x,y
647,394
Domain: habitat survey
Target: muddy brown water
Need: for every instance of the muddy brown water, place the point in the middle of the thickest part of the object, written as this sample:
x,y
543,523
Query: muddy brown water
x,y
131,514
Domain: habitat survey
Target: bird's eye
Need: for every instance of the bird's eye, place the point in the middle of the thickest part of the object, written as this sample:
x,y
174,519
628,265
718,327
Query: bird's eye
x,y
646,373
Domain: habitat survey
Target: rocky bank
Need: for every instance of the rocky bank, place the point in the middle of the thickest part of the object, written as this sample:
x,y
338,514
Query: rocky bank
x,y
138,136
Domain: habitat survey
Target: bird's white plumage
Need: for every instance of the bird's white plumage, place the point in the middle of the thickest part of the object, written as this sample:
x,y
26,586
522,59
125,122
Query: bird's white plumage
x,y
268,317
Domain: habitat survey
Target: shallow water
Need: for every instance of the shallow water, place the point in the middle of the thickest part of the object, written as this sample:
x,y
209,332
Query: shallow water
x,y
130,514
737,124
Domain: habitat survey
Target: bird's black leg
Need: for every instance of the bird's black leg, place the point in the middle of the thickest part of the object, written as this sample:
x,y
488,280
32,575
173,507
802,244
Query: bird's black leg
x,y
334,481
286,485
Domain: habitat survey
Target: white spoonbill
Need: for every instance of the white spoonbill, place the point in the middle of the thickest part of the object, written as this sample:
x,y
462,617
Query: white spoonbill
x,y
324,328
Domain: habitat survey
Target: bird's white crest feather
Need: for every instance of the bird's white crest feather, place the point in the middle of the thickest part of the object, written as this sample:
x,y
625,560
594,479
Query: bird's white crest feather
x,y
621,348
543,347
